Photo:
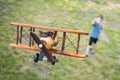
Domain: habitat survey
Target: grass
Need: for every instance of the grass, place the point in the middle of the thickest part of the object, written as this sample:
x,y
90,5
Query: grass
x,y
77,14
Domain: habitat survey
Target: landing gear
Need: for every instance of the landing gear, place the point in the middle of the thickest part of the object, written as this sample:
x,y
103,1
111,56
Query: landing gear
x,y
55,60
36,57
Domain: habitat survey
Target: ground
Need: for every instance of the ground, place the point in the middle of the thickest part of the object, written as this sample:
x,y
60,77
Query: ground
x,y
72,14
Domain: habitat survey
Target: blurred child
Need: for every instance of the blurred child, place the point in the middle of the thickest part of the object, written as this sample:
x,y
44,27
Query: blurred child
x,y
94,34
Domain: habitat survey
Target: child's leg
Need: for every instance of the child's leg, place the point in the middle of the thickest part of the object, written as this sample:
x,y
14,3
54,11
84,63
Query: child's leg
x,y
91,48
90,45
88,49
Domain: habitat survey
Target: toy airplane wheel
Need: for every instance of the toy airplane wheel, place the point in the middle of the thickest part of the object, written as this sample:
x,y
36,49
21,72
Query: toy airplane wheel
x,y
35,57
56,60
53,63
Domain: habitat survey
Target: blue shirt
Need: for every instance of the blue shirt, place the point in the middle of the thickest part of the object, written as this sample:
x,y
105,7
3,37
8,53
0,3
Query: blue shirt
x,y
96,29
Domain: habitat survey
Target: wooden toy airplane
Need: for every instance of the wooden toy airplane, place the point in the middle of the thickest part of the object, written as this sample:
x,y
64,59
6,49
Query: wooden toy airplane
x,y
46,46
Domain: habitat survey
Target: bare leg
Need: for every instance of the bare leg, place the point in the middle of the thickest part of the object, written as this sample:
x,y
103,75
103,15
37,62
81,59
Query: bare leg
x,y
88,48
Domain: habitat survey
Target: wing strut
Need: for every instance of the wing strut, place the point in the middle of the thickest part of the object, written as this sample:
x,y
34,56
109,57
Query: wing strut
x,y
30,45
63,41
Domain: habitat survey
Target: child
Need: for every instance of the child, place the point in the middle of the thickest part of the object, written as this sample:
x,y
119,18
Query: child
x,y
95,32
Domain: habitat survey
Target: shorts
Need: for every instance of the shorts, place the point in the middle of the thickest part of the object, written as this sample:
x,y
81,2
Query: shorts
x,y
92,40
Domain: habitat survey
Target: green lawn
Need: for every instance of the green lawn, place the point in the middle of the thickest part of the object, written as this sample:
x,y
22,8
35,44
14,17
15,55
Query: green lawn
x,y
72,14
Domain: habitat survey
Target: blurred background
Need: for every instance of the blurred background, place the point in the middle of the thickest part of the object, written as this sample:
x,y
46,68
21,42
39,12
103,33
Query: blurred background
x,y
72,14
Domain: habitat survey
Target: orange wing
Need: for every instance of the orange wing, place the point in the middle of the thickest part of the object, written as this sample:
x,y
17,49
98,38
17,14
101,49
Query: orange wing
x,y
32,46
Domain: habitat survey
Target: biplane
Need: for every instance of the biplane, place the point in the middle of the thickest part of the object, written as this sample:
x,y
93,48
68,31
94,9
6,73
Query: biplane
x,y
44,46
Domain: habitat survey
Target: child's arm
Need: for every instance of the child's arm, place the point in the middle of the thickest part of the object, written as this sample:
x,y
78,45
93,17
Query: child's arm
x,y
96,21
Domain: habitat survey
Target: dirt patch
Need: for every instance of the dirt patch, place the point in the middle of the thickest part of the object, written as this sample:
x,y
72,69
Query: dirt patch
x,y
119,59
114,24
104,36
40,68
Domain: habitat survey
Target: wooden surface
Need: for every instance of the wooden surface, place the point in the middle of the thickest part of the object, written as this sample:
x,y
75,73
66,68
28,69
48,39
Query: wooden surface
x,y
52,50
49,28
